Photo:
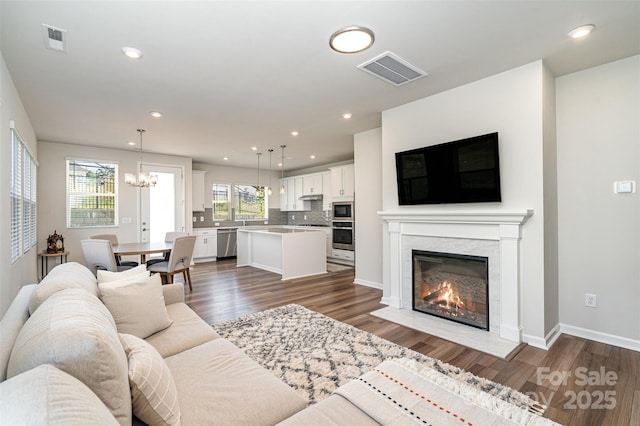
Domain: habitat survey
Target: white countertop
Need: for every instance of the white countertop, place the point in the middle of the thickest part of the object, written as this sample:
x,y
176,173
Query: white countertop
x,y
279,229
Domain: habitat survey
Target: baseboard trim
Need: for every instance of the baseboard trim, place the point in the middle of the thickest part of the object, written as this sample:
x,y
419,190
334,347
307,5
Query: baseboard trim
x,y
535,341
598,336
368,283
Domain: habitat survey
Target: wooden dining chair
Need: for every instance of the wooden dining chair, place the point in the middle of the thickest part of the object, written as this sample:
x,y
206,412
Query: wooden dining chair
x,y
113,239
179,261
169,237
98,254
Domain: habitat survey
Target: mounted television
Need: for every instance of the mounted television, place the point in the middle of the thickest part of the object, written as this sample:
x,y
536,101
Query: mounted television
x,y
464,171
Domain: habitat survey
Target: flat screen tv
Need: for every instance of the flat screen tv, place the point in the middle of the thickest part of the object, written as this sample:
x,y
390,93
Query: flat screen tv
x,y
464,171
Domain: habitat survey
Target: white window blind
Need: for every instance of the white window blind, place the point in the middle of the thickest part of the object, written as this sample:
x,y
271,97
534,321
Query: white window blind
x,y
23,197
91,193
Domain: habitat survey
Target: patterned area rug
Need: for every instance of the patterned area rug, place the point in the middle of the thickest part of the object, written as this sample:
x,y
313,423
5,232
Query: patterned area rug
x,y
315,354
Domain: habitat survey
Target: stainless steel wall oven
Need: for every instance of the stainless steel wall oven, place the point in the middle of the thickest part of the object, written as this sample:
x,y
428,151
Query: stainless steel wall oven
x,y
342,235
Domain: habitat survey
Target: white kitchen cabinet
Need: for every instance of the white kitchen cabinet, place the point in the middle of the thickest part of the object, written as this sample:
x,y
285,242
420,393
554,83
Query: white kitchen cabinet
x,y
197,190
343,256
206,248
312,184
342,183
293,191
326,191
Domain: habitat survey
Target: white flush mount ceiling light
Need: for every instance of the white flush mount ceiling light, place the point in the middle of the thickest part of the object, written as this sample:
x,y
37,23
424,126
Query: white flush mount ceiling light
x,y
352,39
156,114
131,52
582,31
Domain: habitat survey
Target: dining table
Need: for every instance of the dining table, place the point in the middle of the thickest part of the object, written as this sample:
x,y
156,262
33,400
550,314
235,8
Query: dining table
x,y
142,249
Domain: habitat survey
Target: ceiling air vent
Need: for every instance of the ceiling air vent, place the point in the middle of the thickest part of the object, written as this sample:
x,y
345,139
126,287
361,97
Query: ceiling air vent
x,y
55,38
392,69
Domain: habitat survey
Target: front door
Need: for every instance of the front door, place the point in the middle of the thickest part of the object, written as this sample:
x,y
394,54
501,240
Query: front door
x,y
162,205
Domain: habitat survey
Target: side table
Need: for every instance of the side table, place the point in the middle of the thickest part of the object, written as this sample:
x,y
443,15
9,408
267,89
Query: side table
x,y
44,261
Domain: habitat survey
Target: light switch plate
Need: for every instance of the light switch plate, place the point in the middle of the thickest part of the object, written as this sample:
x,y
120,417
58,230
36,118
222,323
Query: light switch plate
x,y
624,187
126,220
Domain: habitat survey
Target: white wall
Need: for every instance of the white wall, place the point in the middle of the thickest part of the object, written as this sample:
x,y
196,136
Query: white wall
x,y
599,231
512,104
23,271
52,193
367,148
550,187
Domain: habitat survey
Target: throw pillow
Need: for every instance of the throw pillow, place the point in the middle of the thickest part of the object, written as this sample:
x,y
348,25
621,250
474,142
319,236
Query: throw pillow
x,y
105,276
154,395
126,280
138,307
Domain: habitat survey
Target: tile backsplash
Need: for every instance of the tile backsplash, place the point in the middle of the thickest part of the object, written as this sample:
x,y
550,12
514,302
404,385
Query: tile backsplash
x,y
315,216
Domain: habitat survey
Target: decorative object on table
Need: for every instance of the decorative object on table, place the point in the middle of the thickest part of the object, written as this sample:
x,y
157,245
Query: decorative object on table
x,y
55,243
315,354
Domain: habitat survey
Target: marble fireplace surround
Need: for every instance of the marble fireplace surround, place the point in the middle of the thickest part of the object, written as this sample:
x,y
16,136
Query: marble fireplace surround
x,y
492,234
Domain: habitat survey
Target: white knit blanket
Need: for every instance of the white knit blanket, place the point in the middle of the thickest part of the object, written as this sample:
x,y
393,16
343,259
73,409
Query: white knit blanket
x,y
403,392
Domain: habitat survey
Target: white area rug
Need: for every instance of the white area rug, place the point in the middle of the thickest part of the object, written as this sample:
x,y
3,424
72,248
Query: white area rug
x,y
315,354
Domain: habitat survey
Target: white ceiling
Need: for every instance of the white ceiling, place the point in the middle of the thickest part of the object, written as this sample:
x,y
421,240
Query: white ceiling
x,y
229,75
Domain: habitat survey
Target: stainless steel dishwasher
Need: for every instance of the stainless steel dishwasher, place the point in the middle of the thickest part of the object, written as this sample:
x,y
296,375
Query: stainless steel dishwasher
x,y
227,242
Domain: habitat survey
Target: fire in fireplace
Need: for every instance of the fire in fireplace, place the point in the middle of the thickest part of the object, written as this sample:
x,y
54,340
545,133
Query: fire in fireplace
x,y
452,286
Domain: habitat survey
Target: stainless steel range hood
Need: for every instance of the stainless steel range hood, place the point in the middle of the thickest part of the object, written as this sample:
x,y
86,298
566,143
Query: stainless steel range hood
x,y
314,197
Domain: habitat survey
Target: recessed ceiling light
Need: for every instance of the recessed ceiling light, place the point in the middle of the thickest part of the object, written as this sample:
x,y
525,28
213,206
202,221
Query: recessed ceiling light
x,y
132,52
254,148
156,114
294,133
130,143
226,158
582,31
313,157
352,40
346,115
279,164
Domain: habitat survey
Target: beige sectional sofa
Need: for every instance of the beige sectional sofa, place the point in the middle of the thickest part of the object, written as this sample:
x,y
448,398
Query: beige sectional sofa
x,y
63,361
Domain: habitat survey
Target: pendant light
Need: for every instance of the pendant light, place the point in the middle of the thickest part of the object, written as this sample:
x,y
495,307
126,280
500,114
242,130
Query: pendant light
x,y
270,191
143,179
282,188
258,186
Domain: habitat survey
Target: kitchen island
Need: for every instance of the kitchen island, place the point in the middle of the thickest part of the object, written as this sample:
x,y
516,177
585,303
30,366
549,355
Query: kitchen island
x,y
293,253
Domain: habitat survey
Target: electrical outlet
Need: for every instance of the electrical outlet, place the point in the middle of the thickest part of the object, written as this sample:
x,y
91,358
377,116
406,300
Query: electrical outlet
x,y
590,300
305,217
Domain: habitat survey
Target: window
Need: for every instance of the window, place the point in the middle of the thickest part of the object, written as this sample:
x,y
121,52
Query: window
x,y
23,197
91,193
221,197
250,202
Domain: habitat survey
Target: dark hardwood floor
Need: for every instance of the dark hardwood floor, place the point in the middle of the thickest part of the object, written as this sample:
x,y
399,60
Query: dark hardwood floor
x,y
582,382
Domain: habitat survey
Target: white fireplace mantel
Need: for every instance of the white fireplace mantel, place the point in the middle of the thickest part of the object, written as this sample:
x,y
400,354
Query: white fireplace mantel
x,y
465,226
516,217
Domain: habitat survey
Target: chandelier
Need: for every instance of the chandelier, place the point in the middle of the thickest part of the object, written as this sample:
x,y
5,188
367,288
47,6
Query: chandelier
x,y
142,179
